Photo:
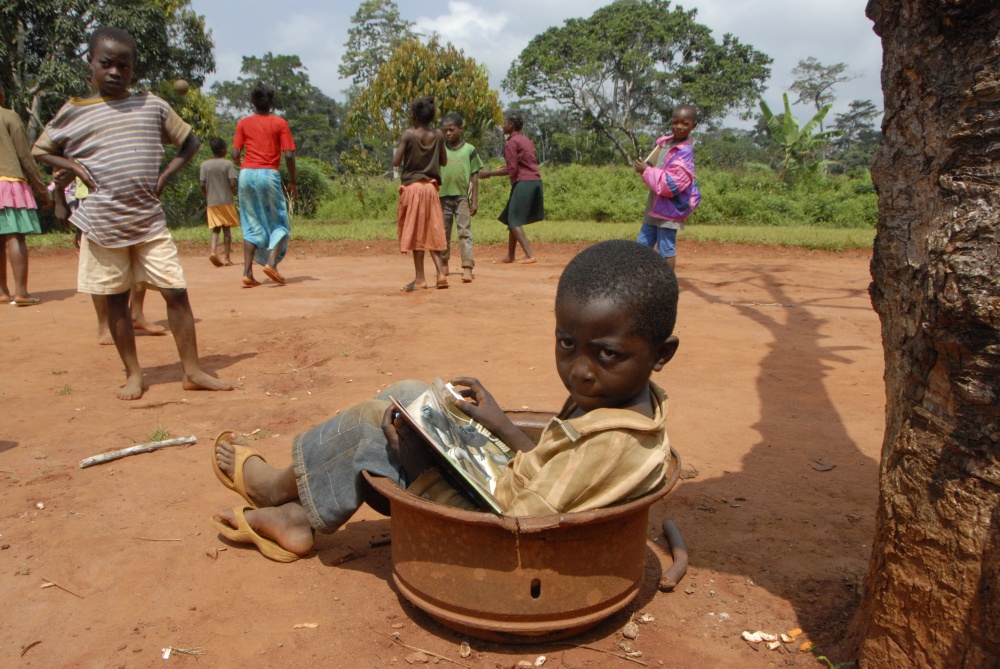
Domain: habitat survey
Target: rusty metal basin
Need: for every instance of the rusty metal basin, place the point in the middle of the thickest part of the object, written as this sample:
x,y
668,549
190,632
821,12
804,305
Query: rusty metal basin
x,y
506,578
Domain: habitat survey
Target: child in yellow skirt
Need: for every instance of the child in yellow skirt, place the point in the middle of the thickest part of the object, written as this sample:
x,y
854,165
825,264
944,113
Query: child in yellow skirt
x,y
218,185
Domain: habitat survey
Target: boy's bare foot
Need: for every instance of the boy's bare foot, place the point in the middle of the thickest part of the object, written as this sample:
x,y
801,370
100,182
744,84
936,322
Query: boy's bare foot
x,y
467,275
250,282
105,339
133,388
142,325
506,261
4,296
202,381
288,525
228,262
412,286
265,485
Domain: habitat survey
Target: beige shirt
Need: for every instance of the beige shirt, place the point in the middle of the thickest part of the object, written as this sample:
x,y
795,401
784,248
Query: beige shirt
x,y
216,175
589,462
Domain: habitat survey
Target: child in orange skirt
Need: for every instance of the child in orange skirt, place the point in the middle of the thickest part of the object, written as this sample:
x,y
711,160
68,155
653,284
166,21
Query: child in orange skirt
x,y
419,219
218,184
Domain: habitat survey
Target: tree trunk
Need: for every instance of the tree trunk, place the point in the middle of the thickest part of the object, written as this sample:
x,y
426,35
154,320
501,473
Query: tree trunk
x,y
932,593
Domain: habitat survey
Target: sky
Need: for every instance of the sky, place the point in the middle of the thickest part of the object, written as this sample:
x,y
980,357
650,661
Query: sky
x,y
495,31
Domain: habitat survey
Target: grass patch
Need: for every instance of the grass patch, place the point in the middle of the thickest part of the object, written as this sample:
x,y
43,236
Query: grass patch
x,y
65,390
161,433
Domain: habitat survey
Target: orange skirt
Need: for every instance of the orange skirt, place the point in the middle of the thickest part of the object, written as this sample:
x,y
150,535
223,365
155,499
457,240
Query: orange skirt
x,y
222,216
419,220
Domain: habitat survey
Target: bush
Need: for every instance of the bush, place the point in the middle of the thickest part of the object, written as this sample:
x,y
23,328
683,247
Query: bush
x,y
312,185
750,196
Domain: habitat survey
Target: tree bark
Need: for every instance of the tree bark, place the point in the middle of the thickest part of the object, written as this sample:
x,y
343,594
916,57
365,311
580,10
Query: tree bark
x,y
932,593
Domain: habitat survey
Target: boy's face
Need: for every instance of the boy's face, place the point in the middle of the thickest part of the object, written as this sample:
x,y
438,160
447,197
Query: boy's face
x,y
601,359
452,132
111,66
682,123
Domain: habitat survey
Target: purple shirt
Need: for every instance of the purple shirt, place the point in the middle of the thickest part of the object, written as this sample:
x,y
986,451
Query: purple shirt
x,y
519,153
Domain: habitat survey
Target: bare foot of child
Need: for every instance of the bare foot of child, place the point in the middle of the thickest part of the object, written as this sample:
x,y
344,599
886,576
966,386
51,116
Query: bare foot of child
x,y
203,381
264,484
133,388
105,339
142,325
288,525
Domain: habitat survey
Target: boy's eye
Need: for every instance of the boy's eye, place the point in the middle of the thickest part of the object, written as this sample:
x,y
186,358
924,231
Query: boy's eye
x,y
607,355
565,344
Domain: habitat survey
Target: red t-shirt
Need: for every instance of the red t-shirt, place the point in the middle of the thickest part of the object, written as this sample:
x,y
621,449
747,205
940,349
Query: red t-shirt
x,y
265,136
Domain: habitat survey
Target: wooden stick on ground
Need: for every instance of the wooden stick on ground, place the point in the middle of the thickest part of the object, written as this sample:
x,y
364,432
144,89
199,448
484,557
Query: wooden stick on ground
x,y
132,450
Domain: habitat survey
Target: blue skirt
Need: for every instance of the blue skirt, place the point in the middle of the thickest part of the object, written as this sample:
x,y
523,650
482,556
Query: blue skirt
x,y
264,213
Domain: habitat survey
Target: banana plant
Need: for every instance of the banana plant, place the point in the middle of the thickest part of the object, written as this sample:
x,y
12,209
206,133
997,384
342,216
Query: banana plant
x,y
802,147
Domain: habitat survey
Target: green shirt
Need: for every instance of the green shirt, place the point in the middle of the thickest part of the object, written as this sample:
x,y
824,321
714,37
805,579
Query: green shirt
x,y
463,162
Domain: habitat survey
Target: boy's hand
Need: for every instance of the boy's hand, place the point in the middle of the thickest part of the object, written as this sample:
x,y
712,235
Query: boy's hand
x,y
84,175
399,435
473,208
62,178
481,407
292,190
161,183
639,166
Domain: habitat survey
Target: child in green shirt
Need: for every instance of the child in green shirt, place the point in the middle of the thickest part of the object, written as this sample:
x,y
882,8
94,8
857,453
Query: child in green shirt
x,y
459,191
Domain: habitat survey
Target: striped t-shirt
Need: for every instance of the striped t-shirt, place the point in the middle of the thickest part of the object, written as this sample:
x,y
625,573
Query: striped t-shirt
x,y
120,142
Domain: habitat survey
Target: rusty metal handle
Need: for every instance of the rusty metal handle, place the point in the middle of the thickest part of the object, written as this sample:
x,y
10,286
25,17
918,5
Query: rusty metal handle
x,y
678,552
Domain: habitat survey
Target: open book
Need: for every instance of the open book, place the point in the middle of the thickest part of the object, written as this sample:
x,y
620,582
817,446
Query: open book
x,y
468,454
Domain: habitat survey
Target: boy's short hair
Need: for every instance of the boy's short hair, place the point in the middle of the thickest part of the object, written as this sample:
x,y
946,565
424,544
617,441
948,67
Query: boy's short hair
x,y
423,109
262,96
112,35
516,120
218,145
633,277
689,107
453,118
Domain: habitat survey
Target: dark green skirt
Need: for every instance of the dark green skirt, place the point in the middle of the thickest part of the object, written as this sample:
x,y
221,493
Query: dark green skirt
x,y
525,205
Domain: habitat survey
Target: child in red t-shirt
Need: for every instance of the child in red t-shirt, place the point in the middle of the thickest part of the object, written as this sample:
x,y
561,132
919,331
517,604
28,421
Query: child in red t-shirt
x,y
263,211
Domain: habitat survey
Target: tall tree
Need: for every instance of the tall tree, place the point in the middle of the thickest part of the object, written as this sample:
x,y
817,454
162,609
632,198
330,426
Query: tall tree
x,y
44,43
932,593
624,69
814,82
315,119
459,84
858,138
378,29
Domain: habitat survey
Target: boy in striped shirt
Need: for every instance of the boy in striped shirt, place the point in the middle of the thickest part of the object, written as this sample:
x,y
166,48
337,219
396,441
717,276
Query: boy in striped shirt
x,y
113,141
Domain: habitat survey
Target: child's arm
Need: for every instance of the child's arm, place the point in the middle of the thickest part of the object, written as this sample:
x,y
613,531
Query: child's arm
x,y
474,194
234,153
443,156
481,407
290,164
183,157
61,179
64,163
397,155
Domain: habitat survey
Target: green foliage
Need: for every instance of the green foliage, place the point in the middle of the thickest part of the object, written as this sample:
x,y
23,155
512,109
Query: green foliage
x,y
45,41
312,185
858,138
623,70
182,199
315,119
194,107
459,84
376,32
801,146
744,197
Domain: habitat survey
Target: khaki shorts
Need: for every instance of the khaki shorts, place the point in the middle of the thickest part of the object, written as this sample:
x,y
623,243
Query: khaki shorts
x,y
106,271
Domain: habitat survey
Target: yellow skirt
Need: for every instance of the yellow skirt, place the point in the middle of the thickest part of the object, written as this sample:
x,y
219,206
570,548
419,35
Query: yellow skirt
x,y
223,216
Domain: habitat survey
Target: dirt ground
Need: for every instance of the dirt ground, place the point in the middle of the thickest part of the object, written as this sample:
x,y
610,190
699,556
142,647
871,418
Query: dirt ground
x,y
780,363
